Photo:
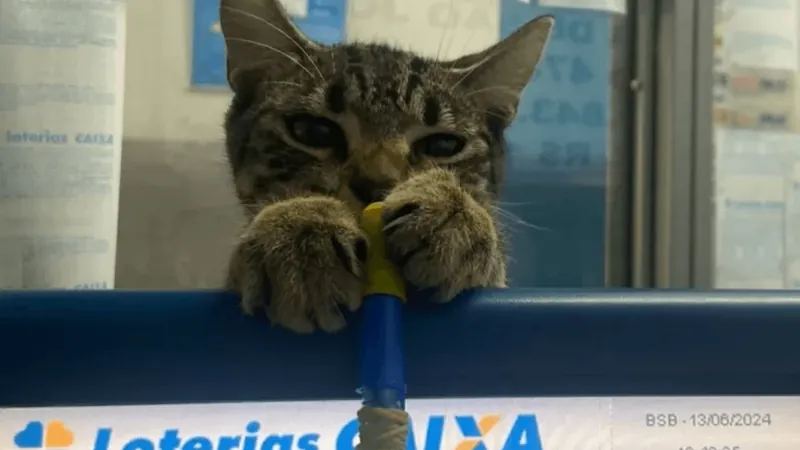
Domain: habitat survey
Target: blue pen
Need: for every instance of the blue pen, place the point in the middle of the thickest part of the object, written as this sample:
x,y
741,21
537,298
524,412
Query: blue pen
x,y
382,367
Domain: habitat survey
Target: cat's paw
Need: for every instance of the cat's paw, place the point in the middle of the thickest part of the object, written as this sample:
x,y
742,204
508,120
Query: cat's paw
x,y
440,237
300,261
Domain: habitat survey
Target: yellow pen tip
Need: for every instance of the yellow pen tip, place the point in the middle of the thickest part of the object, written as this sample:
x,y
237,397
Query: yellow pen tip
x,y
371,216
382,276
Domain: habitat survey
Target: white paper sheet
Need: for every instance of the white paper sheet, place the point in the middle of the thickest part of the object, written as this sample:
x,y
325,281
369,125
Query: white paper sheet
x,y
616,6
296,8
61,96
759,33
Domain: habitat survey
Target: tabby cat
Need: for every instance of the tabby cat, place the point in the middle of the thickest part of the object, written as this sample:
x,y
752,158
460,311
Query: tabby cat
x,y
316,132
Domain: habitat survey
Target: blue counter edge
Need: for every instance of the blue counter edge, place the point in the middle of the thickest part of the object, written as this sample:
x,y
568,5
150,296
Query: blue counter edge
x,y
142,347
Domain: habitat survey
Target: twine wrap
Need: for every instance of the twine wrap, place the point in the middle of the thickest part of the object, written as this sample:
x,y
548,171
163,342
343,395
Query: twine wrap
x,y
382,428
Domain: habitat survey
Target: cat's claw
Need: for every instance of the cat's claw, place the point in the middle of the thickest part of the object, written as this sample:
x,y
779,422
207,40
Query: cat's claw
x,y
440,237
300,263
399,217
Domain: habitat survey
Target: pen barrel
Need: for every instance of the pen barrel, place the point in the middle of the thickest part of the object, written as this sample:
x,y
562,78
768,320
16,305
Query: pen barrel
x,y
382,367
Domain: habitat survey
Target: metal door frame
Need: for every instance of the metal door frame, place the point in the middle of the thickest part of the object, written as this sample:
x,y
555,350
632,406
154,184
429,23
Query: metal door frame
x,y
671,177
704,195
620,188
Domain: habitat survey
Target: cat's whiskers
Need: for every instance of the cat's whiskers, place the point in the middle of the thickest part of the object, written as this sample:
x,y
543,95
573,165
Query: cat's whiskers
x,y
512,91
474,68
464,47
276,28
450,11
493,114
287,83
516,220
516,203
286,55
465,75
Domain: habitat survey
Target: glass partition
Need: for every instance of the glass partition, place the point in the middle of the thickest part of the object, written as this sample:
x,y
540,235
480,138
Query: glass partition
x,y
143,82
559,150
756,143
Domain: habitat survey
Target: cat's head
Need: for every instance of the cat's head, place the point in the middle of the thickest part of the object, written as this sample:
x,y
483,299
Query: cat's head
x,y
352,120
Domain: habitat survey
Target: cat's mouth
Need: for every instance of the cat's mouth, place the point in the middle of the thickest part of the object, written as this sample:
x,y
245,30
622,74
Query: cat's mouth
x,y
369,191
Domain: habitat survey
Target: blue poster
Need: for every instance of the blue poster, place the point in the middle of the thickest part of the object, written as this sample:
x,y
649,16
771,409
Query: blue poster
x,y
555,189
323,22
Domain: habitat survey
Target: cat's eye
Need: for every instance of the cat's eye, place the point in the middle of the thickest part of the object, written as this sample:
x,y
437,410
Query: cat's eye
x,y
439,145
313,131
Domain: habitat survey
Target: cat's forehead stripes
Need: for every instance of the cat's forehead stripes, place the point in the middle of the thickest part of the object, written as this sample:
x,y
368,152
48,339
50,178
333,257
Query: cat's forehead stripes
x,y
372,77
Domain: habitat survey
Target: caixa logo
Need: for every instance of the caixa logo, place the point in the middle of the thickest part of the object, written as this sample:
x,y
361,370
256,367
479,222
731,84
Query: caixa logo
x,y
474,434
488,432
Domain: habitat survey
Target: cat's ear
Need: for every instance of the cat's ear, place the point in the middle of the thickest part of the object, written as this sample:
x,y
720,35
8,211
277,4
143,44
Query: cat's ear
x,y
495,77
257,32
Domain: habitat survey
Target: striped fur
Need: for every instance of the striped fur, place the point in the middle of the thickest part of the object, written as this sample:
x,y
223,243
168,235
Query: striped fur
x,y
302,245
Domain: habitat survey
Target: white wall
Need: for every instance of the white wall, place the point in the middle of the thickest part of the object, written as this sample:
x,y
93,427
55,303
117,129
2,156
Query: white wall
x,y
160,105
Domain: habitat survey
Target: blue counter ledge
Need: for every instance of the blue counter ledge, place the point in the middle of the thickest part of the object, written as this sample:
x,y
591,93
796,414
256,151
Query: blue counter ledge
x,y
130,347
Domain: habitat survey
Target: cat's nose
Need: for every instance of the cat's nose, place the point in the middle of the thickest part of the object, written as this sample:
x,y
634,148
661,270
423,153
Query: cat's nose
x,y
369,191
